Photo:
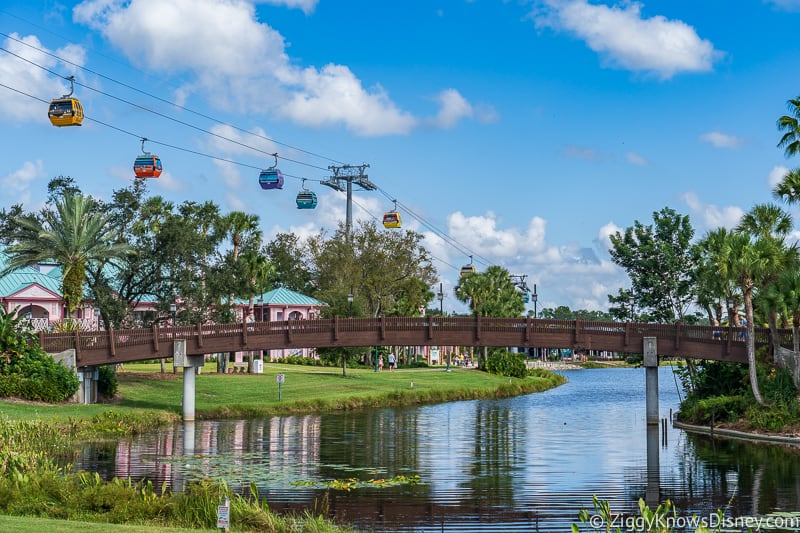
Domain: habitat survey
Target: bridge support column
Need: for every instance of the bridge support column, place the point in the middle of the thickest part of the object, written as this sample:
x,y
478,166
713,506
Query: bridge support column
x,y
188,363
650,353
88,377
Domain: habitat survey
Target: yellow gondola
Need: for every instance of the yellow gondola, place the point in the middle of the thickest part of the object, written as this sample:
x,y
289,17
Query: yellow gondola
x,y
466,270
66,111
392,219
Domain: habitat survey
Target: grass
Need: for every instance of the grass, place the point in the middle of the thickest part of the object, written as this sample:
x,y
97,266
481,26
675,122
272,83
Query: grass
x,y
31,434
25,524
144,393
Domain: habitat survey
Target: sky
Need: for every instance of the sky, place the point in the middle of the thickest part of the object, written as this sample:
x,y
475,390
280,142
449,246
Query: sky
x,y
521,133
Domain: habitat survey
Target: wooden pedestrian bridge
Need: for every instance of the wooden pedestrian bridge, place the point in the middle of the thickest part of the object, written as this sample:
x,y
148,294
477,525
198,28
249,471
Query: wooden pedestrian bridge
x,y
92,348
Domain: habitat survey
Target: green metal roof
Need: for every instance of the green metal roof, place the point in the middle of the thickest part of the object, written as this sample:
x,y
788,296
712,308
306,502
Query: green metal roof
x,y
284,296
25,277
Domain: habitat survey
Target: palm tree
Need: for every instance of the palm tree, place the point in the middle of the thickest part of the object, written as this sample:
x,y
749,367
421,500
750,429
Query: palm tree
x,y
790,141
788,189
73,234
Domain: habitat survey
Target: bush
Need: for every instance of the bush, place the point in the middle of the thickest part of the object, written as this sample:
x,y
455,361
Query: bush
x,y
27,371
107,381
716,408
504,363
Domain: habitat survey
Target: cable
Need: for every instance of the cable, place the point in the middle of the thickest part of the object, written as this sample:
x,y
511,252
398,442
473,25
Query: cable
x,y
444,236
162,115
163,100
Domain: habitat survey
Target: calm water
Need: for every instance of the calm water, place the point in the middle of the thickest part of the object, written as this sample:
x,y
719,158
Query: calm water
x,y
521,464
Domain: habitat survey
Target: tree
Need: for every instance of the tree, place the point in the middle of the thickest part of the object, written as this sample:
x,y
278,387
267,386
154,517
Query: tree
x,y
73,234
491,293
661,263
292,263
790,124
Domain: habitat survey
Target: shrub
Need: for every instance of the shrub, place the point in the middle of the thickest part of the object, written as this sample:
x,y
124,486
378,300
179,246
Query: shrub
x,y
26,370
504,363
107,381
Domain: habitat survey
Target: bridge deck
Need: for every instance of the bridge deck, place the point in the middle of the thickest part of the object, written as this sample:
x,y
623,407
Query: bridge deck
x,y
702,342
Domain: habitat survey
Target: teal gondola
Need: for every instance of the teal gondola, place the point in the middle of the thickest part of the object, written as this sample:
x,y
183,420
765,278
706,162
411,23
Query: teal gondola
x,y
272,177
306,199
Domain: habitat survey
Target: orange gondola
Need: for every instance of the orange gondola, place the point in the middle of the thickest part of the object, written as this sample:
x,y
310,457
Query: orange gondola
x,y
147,165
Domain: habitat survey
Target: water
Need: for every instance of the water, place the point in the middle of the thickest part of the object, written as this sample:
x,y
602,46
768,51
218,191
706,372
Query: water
x,y
520,464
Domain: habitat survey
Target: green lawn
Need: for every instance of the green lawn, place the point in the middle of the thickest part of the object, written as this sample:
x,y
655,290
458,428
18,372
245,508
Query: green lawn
x,y
143,389
23,524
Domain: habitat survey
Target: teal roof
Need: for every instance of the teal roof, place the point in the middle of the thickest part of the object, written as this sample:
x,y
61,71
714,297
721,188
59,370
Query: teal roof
x,y
25,277
284,296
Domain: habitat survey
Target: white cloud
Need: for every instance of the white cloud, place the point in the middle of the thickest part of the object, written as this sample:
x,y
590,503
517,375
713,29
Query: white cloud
x,y
335,95
625,39
605,233
787,5
636,159
18,183
453,107
241,61
721,140
711,216
776,175
31,80
306,6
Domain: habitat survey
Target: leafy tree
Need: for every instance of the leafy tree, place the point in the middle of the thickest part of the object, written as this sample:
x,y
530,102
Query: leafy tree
x,y
790,124
661,263
292,263
73,234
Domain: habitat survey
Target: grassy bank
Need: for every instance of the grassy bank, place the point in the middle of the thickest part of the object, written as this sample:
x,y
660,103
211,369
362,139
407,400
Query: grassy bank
x,y
149,397
39,496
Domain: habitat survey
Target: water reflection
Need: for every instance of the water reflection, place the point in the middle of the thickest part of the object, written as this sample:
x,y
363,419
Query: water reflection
x,y
526,463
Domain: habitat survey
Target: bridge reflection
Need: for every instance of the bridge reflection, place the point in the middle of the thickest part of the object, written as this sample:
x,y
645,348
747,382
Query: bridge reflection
x,y
119,346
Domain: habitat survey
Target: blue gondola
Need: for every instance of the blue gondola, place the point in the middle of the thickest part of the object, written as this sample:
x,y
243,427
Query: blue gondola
x,y
306,199
271,178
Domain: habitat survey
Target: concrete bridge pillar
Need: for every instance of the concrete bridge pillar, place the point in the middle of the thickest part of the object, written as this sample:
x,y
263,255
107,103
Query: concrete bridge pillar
x,y
88,377
188,363
650,353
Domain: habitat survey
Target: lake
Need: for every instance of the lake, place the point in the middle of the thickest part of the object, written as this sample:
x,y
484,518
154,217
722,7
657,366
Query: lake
x,y
527,463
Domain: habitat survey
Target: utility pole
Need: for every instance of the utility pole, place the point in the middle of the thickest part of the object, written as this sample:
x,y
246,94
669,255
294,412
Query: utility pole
x,y
349,174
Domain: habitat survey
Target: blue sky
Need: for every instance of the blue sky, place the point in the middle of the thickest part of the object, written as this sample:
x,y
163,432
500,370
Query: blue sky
x,y
523,133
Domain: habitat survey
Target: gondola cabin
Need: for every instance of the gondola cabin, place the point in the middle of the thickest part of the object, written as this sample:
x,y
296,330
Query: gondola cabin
x,y
466,270
147,166
306,200
271,178
65,112
392,220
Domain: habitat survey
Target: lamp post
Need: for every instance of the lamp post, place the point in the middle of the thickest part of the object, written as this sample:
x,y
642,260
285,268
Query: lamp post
x,y
440,295
535,300
96,313
173,309
350,302
261,307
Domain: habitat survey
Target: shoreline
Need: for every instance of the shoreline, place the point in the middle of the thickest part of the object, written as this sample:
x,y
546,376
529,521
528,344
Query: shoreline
x,y
736,434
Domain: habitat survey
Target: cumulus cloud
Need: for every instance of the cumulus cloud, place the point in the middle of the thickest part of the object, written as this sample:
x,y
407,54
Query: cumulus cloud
x,y
712,216
776,175
721,140
306,6
626,39
18,183
32,80
453,107
605,233
242,61
334,95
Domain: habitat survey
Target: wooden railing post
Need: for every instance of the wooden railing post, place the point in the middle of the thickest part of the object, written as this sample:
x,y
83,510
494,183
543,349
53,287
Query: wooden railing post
x,y
383,327
244,330
477,326
112,346
336,327
199,335
155,337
